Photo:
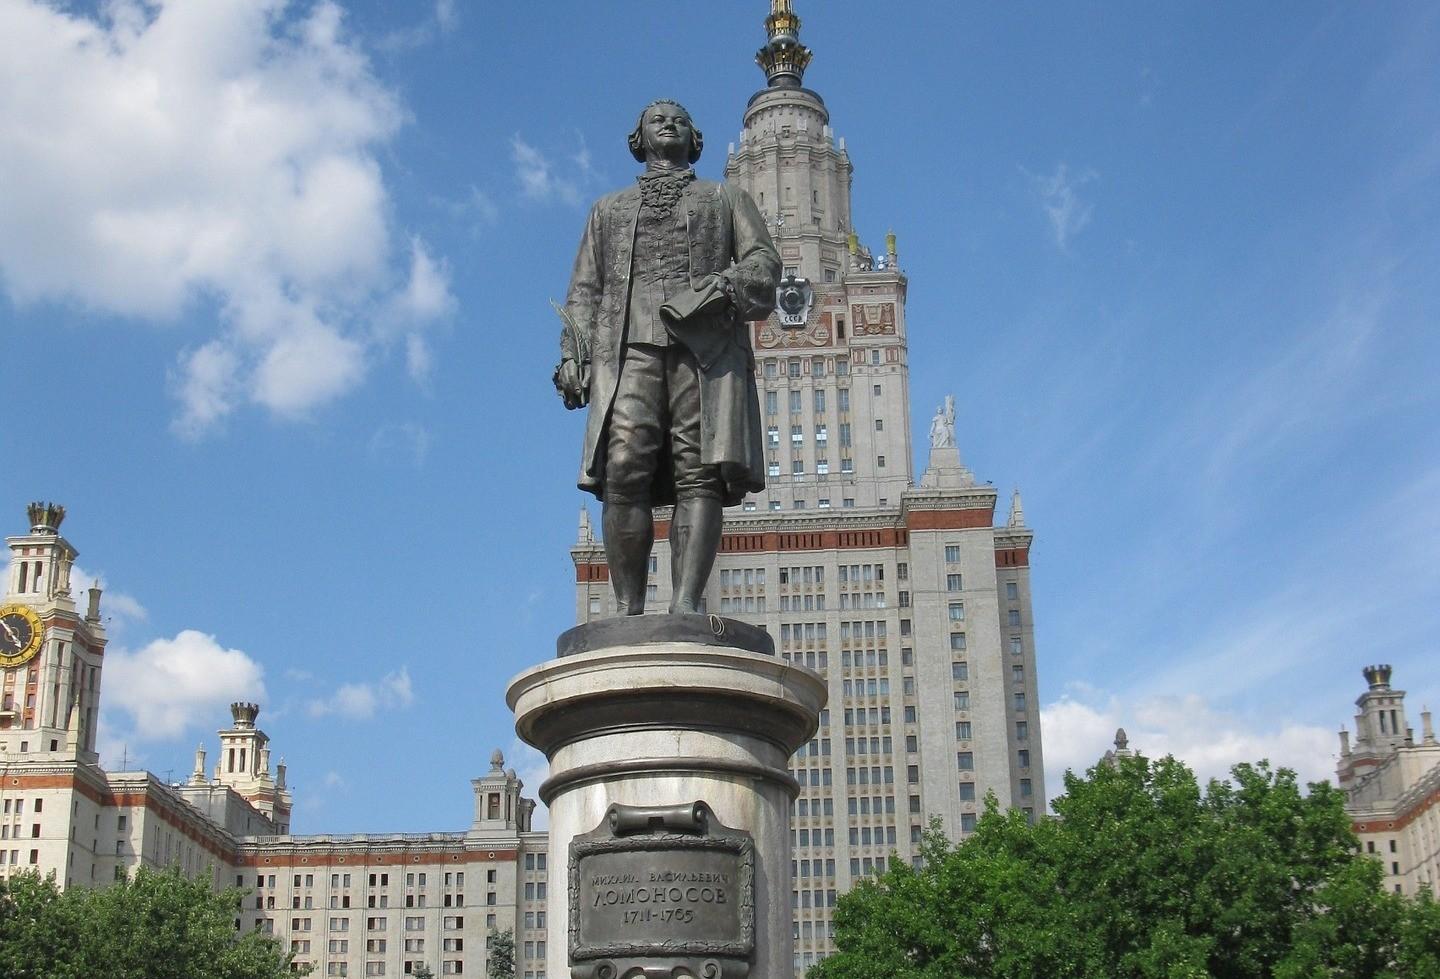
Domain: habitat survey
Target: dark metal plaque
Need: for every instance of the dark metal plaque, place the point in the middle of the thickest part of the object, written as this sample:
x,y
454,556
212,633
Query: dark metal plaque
x,y
662,891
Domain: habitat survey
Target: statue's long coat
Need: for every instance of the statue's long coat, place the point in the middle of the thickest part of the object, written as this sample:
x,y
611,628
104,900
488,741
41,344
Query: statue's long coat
x,y
727,237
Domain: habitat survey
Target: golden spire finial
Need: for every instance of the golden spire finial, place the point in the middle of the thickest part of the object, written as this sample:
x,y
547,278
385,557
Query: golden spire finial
x,y
783,57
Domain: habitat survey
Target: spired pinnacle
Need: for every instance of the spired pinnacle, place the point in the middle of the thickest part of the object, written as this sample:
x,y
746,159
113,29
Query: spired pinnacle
x,y
1017,510
783,57
44,517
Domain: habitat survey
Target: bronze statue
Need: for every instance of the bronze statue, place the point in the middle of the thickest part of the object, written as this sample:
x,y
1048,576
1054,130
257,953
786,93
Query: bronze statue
x,y
656,343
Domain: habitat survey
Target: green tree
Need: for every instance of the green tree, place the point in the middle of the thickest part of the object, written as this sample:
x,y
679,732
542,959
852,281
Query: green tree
x,y
423,971
151,926
500,957
1143,875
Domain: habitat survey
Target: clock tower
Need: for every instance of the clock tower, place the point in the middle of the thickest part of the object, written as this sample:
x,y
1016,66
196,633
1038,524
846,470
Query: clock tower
x,y
51,653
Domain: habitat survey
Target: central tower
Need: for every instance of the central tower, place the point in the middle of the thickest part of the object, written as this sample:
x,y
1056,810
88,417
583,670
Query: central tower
x,y
836,398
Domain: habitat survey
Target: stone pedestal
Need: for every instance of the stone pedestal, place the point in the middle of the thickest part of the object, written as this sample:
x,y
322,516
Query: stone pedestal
x,y
642,717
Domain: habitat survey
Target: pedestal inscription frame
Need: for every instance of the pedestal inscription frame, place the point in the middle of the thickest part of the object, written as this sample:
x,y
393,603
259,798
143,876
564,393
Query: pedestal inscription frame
x,y
677,869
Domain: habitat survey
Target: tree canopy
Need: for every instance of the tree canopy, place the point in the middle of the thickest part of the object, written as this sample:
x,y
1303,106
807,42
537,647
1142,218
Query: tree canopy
x,y
500,954
150,926
1143,875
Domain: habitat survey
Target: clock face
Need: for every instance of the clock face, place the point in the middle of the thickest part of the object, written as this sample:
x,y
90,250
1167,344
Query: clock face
x,y
21,633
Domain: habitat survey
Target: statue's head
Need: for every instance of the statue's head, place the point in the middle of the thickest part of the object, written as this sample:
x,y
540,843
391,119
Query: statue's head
x,y
662,125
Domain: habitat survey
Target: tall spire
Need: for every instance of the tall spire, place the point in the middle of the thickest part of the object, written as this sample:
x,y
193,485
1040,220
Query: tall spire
x,y
1017,510
783,57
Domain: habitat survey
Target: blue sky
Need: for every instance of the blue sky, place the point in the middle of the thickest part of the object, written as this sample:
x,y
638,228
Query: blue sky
x,y
273,325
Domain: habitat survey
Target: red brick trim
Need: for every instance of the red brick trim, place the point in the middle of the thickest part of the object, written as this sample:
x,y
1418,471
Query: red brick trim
x,y
967,519
1012,557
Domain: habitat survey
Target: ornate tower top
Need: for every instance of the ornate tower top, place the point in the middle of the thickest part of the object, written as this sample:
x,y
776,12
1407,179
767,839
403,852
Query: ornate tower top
x,y
244,714
783,57
1378,676
45,518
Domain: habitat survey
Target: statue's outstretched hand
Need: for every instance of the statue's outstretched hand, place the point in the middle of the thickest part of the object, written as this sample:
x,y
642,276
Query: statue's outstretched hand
x,y
573,382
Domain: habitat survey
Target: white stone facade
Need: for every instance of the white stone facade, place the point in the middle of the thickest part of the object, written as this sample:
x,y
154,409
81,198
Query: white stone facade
x,y
1392,786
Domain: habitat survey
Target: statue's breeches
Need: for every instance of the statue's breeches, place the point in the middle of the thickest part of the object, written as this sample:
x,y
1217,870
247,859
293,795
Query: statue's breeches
x,y
655,422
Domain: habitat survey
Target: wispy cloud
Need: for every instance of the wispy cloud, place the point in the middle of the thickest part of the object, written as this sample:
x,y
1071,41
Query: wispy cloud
x,y
546,178
441,19
119,608
474,209
1297,393
1059,197
405,442
361,701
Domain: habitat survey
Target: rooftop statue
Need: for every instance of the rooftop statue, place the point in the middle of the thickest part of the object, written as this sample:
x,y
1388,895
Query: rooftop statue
x,y
942,426
656,344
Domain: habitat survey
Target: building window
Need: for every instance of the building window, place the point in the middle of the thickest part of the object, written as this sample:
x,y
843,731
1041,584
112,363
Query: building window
x,y
772,436
957,611
842,364
772,402
877,390
967,822
773,469
794,402
797,435
960,671
1017,673
952,553
957,640
1026,790
962,730
965,760
962,700
1014,617
1019,700
967,791
1012,591
1022,730
793,368
879,462
1023,758
1016,645
879,424
954,582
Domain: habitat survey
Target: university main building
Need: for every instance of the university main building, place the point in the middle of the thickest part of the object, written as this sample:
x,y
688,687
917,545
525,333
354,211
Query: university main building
x,y
903,593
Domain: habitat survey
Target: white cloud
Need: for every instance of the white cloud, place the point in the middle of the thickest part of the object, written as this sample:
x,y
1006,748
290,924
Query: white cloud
x,y
164,158
1080,727
360,701
540,178
1060,199
171,685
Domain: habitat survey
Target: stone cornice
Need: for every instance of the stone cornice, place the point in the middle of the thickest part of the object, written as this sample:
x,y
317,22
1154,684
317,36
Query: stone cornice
x,y
949,498
376,843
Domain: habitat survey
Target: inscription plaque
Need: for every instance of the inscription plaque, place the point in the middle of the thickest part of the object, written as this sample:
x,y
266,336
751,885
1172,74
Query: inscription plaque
x,y
662,891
